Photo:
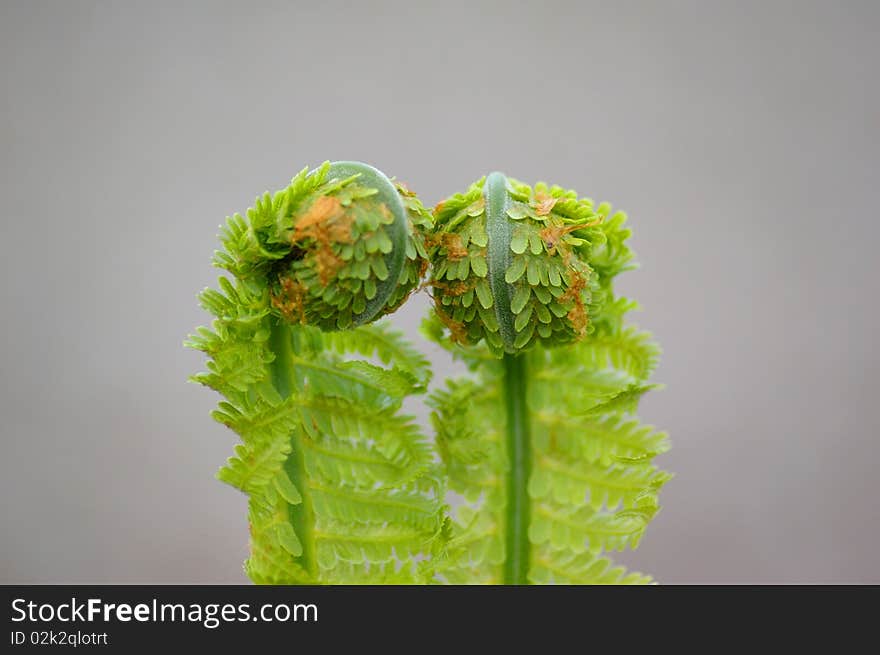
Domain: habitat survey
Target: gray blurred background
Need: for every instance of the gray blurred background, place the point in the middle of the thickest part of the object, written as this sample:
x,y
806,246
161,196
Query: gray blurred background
x,y
741,137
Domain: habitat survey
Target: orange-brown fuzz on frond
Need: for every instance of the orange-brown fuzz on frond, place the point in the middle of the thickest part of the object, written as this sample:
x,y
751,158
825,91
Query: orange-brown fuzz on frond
x,y
423,267
544,203
552,234
327,224
327,264
457,288
577,315
323,209
454,248
457,330
290,300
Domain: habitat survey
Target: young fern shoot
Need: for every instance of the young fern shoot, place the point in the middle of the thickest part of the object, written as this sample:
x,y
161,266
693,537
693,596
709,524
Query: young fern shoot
x,y
342,487
541,438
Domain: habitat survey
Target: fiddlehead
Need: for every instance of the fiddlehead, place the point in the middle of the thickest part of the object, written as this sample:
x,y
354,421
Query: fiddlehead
x,y
541,439
512,264
341,486
339,247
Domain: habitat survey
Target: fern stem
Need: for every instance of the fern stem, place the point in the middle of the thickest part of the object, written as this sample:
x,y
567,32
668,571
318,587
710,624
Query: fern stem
x,y
499,229
302,515
516,564
397,231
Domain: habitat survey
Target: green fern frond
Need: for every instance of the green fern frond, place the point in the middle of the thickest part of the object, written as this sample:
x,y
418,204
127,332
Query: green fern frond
x,y
341,486
603,440
630,355
592,486
388,345
335,474
541,440
562,527
255,465
565,567
394,437
571,480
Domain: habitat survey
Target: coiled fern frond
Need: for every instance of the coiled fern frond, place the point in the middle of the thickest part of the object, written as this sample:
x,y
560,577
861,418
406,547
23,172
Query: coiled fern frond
x,y
342,487
541,439
339,247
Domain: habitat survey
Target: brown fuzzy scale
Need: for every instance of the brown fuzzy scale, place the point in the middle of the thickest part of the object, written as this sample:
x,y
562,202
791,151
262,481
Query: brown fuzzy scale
x,y
290,300
452,289
454,248
552,234
423,268
327,224
544,204
457,329
577,315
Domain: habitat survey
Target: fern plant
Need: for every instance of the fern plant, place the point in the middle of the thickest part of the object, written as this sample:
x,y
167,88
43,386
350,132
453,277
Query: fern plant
x,y
540,439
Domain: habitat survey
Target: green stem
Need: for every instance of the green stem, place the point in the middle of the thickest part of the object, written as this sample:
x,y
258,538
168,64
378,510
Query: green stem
x,y
398,231
516,564
302,515
499,230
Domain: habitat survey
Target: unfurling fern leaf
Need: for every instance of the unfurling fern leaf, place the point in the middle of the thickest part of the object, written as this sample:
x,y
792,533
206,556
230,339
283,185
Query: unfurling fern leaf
x,y
541,439
342,487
